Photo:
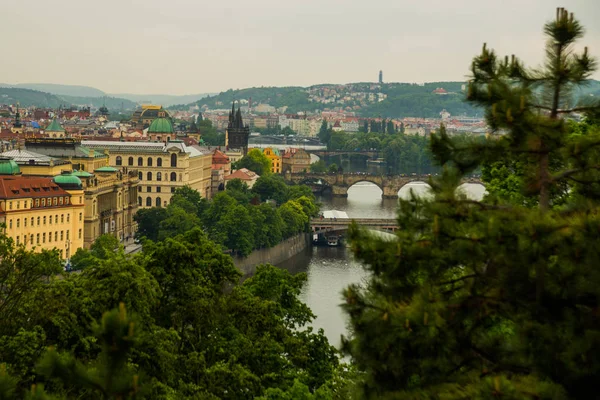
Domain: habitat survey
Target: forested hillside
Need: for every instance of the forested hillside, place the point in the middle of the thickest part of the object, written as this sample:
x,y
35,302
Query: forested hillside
x,y
27,98
370,100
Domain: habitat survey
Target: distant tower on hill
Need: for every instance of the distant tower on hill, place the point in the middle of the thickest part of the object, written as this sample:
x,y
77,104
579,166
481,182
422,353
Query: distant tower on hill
x,y
380,76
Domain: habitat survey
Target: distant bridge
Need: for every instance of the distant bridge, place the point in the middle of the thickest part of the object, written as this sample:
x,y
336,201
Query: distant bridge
x,y
341,182
324,225
333,153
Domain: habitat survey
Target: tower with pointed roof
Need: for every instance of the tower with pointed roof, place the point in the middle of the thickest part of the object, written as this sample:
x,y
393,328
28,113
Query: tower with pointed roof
x,y
54,130
17,125
237,134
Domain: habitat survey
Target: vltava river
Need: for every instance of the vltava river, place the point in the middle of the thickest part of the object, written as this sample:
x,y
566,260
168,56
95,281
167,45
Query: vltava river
x,y
331,269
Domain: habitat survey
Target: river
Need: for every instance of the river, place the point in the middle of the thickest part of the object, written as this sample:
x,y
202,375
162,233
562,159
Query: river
x,y
331,269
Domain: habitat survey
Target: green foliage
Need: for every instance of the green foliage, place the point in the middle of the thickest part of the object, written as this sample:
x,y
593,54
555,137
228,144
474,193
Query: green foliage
x,y
110,376
318,167
271,187
255,161
404,154
196,331
209,134
479,300
148,220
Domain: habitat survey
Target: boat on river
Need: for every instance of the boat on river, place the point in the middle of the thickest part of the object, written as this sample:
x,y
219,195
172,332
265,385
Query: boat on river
x,y
333,241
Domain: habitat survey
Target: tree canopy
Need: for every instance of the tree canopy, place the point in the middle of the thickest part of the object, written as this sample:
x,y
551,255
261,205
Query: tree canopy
x,y
496,298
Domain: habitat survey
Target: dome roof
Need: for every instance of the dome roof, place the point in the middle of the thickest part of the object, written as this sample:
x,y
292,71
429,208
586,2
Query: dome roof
x,y
9,167
54,127
67,181
161,125
82,174
106,169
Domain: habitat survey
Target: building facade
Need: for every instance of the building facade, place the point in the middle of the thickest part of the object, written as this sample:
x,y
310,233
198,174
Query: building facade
x,y
110,203
41,212
295,160
161,167
275,157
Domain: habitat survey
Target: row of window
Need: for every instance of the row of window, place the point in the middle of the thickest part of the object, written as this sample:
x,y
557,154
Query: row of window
x,y
159,176
158,189
43,202
41,237
149,162
42,220
157,202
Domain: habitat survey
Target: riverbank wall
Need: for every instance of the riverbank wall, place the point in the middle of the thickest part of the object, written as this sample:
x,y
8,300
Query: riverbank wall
x,y
274,255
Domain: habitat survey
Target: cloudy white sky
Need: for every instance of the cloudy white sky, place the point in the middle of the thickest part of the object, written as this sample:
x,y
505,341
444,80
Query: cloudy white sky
x,y
193,46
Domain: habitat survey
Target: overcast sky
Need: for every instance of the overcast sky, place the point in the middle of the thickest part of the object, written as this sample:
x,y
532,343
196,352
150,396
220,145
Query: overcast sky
x,y
195,46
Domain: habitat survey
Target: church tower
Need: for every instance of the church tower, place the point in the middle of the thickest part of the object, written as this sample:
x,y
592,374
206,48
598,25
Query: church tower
x,y
236,135
17,125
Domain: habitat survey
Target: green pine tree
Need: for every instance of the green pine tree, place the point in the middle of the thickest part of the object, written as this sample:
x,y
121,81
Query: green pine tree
x,y
481,300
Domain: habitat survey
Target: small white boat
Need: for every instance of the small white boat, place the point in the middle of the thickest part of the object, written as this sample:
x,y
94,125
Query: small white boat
x,y
332,241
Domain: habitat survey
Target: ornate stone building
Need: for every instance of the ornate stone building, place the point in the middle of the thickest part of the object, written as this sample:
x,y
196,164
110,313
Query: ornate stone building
x,y
162,167
144,117
41,212
295,160
110,193
110,203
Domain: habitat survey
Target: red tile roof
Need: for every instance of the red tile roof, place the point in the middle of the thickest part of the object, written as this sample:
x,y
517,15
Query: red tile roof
x,y
16,187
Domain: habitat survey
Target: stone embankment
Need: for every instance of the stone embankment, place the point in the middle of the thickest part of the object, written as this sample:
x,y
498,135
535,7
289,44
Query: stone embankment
x,y
274,255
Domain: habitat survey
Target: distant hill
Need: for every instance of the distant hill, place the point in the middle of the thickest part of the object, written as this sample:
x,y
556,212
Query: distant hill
x,y
28,98
388,100
113,103
68,90
163,99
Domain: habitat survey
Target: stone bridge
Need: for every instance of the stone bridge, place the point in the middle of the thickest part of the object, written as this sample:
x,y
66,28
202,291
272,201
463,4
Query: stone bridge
x,y
324,225
333,153
341,182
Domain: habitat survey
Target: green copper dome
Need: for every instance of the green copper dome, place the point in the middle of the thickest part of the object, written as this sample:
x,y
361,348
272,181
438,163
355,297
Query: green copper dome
x,y
106,169
82,174
161,125
54,127
9,167
68,181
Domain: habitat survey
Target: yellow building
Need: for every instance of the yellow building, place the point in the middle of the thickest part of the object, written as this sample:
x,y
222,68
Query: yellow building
x,y
110,194
161,167
275,157
110,203
41,212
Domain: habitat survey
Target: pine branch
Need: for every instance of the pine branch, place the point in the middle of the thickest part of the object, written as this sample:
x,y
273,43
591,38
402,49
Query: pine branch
x,y
568,173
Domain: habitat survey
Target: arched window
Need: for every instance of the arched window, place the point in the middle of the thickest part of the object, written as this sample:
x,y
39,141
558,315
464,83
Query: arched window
x,y
148,202
158,176
173,160
159,162
130,161
173,176
158,203
140,161
149,161
149,176
119,160
140,175
140,201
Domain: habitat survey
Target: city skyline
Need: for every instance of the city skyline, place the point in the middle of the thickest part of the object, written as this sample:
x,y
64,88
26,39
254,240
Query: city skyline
x,y
185,48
